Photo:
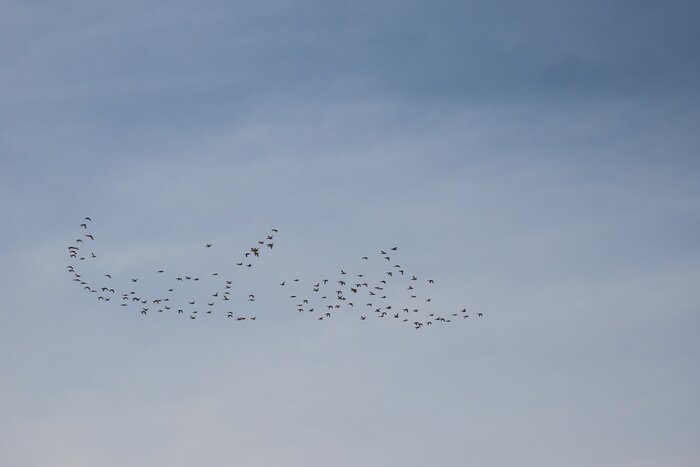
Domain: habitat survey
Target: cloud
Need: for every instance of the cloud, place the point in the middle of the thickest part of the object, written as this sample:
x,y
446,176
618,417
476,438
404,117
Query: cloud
x,y
538,161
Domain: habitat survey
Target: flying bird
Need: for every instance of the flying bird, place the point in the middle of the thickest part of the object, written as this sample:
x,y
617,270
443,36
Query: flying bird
x,y
390,299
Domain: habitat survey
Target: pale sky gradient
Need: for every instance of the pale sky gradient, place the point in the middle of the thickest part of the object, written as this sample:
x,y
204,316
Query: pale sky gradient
x,y
539,159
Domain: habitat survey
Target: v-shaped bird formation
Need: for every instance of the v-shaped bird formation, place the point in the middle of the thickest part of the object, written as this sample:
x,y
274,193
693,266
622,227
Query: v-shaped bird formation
x,y
377,287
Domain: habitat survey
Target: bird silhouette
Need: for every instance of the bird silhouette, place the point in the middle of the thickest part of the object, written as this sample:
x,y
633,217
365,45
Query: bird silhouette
x,y
393,286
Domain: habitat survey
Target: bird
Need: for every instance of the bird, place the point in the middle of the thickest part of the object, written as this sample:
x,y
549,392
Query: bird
x,y
382,289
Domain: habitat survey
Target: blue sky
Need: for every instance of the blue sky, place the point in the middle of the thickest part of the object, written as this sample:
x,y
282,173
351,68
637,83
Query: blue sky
x,y
539,160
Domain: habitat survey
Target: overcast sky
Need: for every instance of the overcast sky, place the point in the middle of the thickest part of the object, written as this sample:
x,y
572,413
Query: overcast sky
x,y
539,160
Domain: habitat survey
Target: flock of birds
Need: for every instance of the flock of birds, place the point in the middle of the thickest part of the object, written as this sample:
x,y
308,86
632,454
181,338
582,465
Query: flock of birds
x,y
385,291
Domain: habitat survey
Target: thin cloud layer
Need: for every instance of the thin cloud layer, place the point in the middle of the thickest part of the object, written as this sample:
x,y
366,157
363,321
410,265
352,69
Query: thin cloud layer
x,y
539,161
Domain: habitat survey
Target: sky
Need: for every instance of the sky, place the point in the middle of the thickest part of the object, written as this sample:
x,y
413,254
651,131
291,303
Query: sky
x,y
538,160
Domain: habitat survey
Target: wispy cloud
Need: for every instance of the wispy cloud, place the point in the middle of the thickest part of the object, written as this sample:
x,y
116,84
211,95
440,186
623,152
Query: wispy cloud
x,y
538,160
